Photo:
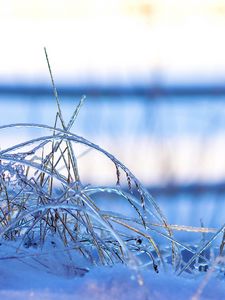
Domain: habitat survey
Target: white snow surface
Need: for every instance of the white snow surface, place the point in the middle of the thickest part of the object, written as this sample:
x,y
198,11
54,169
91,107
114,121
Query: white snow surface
x,y
20,280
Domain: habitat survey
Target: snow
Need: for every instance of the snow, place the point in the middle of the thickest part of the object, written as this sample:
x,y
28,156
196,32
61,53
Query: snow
x,y
20,281
25,274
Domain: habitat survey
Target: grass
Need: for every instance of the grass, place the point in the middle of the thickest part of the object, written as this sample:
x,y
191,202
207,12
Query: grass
x,y
43,200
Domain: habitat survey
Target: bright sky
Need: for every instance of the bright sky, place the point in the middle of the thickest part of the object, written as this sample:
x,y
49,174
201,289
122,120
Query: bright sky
x,y
118,41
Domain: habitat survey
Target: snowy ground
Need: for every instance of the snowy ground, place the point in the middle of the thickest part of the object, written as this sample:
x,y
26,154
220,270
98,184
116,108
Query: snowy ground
x,y
54,277
19,281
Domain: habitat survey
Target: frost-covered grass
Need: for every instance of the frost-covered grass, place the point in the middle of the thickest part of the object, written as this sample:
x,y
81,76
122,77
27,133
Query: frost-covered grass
x,y
53,223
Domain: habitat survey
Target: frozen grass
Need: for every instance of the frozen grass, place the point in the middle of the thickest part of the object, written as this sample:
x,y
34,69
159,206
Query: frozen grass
x,y
44,202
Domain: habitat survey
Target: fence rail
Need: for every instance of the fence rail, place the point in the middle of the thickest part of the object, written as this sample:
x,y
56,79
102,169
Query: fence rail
x,y
151,91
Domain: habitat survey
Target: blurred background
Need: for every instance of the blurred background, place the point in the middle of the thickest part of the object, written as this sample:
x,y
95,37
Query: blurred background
x,y
153,72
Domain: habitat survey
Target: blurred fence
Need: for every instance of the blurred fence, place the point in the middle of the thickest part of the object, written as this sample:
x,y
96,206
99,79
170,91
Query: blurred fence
x,y
171,138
